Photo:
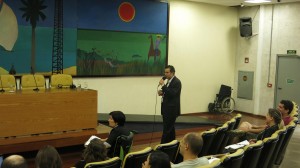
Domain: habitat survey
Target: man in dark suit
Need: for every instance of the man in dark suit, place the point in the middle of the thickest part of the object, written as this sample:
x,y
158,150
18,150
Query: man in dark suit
x,y
170,106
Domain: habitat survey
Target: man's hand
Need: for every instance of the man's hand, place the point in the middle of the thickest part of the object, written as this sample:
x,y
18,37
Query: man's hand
x,y
160,93
161,82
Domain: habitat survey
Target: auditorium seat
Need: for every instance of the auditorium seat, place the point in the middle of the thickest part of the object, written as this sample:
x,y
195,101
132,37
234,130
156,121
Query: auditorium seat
x,y
252,154
290,128
233,160
219,137
32,81
123,145
227,140
207,137
281,134
171,149
267,151
136,159
61,81
114,162
237,118
8,82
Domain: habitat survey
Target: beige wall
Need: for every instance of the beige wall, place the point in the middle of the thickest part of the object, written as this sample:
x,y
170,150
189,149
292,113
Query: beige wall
x,y
262,49
202,47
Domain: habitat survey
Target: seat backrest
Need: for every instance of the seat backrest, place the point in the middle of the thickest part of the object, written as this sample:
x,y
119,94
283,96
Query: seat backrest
x,y
213,164
61,80
252,154
123,145
290,128
217,141
233,160
33,81
207,137
281,134
227,140
267,151
171,149
7,82
136,159
110,163
237,118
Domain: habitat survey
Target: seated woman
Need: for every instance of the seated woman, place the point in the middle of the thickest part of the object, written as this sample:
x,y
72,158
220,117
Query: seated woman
x,y
116,120
48,157
94,152
157,159
248,131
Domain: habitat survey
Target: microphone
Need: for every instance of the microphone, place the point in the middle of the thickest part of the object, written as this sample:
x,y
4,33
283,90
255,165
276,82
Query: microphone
x,y
36,89
2,90
163,78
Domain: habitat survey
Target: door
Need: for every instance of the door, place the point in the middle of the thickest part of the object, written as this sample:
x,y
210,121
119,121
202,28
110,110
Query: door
x,y
287,78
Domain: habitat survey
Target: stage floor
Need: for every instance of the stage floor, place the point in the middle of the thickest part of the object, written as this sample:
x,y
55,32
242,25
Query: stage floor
x,y
151,123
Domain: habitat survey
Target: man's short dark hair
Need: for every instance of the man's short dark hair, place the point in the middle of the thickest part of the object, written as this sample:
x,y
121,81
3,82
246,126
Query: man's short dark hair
x,y
172,69
118,117
14,161
195,142
287,105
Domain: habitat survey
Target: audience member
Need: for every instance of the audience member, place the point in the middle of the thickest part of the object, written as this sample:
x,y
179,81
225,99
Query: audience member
x,y
285,107
190,147
273,123
48,157
157,159
94,152
14,161
116,120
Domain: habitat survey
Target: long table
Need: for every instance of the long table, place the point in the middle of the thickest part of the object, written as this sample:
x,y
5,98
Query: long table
x,y
47,111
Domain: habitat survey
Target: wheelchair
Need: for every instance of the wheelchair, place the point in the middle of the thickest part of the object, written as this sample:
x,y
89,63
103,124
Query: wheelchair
x,y
223,102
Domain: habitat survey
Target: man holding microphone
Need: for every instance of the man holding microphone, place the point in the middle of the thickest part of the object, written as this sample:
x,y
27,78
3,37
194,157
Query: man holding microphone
x,y
170,106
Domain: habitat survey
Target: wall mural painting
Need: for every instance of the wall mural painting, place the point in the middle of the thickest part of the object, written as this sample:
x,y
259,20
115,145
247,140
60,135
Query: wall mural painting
x,y
114,38
120,53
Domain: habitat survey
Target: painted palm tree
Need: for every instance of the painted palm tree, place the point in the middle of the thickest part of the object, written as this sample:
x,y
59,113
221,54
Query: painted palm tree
x,y
32,12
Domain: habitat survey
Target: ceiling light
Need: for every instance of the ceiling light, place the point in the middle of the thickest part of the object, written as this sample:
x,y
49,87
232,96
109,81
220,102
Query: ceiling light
x,y
257,1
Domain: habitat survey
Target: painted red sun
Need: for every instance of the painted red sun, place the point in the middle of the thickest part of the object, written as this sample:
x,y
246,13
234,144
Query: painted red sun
x,y
126,12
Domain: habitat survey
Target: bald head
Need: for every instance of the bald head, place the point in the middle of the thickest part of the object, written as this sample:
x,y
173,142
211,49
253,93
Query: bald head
x,y
14,161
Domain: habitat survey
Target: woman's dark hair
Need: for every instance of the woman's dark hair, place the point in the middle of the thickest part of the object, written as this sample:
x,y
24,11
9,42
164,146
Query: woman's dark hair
x,y
288,105
95,151
118,117
48,157
276,115
159,159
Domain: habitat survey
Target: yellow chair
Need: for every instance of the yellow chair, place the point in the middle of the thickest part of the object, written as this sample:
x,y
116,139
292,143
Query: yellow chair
x,y
61,81
267,151
294,112
171,149
208,137
290,128
136,159
114,162
219,137
8,82
233,160
227,139
237,118
32,82
252,154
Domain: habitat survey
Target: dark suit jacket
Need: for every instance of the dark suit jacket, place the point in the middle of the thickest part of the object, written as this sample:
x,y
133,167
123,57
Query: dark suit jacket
x,y
171,99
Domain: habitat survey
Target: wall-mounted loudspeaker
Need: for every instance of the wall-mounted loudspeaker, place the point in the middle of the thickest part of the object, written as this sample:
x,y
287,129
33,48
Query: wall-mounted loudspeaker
x,y
246,26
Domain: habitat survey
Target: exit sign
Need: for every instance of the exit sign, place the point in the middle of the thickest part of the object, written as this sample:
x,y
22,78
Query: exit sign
x,y
292,52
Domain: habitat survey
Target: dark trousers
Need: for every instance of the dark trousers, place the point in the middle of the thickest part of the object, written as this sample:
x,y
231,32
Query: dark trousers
x,y
168,128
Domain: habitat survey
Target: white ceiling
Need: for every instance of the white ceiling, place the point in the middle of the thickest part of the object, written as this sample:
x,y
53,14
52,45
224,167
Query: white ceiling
x,y
239,2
